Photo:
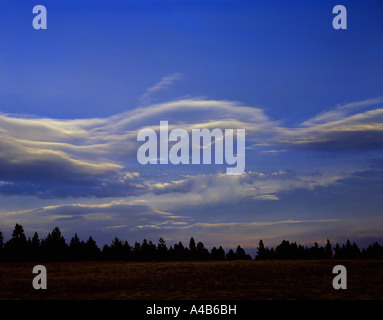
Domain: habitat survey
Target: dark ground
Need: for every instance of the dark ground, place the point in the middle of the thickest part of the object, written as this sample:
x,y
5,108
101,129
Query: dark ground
x,y
221,280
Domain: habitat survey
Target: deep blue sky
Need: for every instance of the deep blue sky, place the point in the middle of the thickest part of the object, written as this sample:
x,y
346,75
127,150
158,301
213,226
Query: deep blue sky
x,y
311,100
283,55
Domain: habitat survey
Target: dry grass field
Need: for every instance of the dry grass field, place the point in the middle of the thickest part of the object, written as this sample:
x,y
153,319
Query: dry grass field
x,y
227,280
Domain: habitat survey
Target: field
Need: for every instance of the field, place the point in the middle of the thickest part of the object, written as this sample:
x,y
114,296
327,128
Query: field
x,y
227,280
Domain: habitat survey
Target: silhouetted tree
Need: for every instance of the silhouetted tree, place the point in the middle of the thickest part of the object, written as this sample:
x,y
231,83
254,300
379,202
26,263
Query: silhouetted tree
x,y
348,251
328,250
230,255
241,254
152,251
128,251
76,248
1,240
162,250
16,248
271,253
137,251
373,251
217,254
34,250
117,249
264,252
192,248
316,252
337,251
148,250
54,247
213,253
221,253
201,252
106,253
1,246
356,253
261,251
283,251
91,250
179,251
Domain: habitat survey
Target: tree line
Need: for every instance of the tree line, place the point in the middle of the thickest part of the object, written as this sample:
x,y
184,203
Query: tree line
x,y
54,247
291,250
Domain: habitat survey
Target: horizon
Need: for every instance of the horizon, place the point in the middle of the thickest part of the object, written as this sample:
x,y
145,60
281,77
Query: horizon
x,y
75,96
301,251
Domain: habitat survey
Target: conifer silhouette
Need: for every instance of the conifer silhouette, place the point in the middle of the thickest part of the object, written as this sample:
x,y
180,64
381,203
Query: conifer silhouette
x,y
54,248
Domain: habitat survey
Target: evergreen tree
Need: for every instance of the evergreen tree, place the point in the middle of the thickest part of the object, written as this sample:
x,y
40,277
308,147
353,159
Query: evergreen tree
x,y
90,250
261,251
137,251
179,251
162,249
356,253
54,246
337,251
76,248
221,253
16,247
328,250
214,253
1,246
127,249
241,254
116,249
34,248
192,248
106,252
1,240
230,255
374,251
282,251
202,252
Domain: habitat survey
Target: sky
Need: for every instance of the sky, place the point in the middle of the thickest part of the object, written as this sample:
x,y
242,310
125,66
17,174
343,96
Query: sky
x,y
74,96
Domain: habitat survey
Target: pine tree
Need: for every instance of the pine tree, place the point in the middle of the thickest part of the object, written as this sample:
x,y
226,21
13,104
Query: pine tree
x,y
75,248
1,240
116,249
328,250
201,252
192,248
34,248
221,253
230,255
1,246
261,251
91,250
162,249
16,247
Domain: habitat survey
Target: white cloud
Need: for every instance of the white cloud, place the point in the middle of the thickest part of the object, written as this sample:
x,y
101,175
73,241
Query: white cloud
x,y
341,111
219,189
164,83
100,154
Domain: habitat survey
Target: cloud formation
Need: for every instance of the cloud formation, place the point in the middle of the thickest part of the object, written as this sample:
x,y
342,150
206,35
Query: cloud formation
x,y
97,157
164,83
339,129
107,215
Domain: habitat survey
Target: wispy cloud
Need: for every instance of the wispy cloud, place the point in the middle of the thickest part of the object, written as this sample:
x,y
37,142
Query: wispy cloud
x,y
219,189
108,215
362,131
97,157
163,84
341,111
248,233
